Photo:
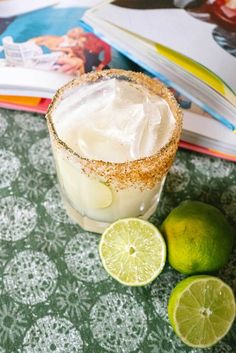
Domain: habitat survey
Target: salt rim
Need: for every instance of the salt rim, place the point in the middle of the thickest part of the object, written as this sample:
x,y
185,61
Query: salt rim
x,y
142,173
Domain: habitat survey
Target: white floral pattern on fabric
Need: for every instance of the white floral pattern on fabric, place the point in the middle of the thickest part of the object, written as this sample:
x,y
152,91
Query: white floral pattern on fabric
x,y
13,322
118,323
162,339
228,200
55,296
3,125
212,168
161,289
32,184
40,156
18,218
50,237
164,207
178,177
17,140
220,347
52,334
228,273
72,299
54,206
4,254
30,277
82,258
10,167
29,123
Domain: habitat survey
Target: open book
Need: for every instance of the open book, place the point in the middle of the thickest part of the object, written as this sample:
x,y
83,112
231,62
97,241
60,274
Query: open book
x,y
184,43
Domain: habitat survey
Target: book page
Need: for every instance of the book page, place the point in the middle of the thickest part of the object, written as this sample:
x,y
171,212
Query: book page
x,y
10,8
76,3
28,82
204,125
178,30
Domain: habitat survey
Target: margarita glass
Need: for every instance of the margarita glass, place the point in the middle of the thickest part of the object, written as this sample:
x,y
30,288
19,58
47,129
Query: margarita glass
x,y
114,136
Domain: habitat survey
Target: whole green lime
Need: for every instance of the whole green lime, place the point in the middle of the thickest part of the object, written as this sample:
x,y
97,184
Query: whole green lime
x,y
199,238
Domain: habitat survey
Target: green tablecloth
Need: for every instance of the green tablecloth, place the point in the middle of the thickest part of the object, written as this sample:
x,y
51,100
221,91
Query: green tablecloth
x,y
54,293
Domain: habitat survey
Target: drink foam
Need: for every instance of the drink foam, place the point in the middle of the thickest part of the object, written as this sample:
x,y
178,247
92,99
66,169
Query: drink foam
x,y
114,121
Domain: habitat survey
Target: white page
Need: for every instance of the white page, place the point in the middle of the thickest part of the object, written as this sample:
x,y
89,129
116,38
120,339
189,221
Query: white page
x,y
24,80
178,30
76,3
10,8
208,127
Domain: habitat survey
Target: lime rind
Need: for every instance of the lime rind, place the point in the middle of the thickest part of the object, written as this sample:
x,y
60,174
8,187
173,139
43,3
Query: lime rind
x,y
199,238
121,240
176,301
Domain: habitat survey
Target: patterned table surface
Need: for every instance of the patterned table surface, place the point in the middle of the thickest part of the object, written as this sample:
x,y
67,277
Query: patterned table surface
x,y
54,294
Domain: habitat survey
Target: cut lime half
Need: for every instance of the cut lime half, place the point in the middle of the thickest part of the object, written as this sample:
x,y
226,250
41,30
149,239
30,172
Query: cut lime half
x,y
133,251
201,310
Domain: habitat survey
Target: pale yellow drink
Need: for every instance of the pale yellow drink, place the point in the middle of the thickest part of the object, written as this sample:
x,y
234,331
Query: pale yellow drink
x,y
107,130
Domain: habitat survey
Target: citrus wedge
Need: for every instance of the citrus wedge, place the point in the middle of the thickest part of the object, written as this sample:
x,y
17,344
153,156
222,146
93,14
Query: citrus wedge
x,y
96,194
201,310
133,251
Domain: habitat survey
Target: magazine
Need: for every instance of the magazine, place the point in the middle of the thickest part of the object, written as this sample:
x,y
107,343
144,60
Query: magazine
x,y
184,43
42,50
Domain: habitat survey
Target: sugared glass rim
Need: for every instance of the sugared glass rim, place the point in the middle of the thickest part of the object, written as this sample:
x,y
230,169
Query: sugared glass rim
x,y
143,172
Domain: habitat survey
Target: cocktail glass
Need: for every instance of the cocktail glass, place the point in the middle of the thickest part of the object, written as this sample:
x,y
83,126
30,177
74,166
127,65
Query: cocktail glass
x,y
95,193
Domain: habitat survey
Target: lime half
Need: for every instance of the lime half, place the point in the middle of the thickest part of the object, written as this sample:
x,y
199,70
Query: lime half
x,y
133,251
201,310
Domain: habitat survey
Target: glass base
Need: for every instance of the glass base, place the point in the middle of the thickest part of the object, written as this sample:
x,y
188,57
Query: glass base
x,y
92,225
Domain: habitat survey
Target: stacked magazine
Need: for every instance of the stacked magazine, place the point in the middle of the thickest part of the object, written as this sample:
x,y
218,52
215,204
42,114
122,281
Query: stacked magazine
x,y
45,44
